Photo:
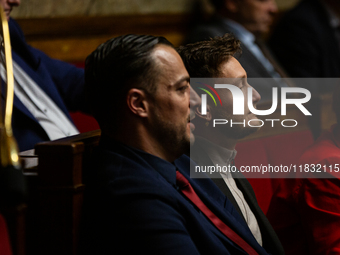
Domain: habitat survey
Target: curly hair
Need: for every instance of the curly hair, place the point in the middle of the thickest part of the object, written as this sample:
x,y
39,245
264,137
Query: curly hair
x,y
203,59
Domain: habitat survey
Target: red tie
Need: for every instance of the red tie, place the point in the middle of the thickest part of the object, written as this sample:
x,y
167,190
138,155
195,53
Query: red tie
x,y
189,192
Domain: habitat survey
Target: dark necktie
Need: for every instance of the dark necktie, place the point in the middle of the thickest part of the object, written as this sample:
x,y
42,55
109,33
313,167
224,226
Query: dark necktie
x,y
278,68
189,192
337,34
266,52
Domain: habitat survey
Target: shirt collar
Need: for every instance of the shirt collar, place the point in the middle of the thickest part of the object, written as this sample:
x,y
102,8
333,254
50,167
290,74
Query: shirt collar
x,y
217,153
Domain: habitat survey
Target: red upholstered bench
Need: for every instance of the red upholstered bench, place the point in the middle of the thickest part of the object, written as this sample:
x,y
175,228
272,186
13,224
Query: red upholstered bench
x,y
83,122
275,150
5,247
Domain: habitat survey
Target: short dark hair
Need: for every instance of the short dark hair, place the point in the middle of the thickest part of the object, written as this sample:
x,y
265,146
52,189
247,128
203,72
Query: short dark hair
x,y
116,66
203,59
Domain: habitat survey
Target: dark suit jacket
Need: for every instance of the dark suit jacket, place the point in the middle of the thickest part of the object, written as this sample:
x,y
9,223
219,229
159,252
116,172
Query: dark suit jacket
x,y
305,43
253,67
138,208
62,82
270,240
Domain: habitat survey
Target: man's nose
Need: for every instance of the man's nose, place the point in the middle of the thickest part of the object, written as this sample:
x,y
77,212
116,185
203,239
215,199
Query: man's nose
x,y
273,7
256,96
13,2
195,100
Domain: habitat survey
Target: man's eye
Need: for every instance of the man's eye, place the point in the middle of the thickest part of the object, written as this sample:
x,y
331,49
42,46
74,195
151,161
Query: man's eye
x,y
183,88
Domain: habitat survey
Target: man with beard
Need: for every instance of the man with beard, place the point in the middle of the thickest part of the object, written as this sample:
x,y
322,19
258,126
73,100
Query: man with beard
x,y
216,145
141,198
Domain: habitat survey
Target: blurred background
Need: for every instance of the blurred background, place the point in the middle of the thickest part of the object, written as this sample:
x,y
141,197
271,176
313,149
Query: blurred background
x,y
70,29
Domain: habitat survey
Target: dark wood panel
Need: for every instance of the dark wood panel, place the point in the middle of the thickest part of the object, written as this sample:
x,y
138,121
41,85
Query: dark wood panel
x,y
77,49
90,26
55,202
73,38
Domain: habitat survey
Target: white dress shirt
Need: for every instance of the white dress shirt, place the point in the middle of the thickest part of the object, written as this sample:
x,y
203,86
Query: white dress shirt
x,y
224,157
248,39
55,123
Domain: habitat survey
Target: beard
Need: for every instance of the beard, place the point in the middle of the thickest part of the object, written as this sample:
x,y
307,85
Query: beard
x,y
172,136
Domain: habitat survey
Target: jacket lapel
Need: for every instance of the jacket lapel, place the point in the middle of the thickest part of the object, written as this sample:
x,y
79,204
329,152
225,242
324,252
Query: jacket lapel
x,y
270,240
202,159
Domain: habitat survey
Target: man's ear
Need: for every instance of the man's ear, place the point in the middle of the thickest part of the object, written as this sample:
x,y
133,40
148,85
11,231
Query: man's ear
x,y
206,117
137,102
231,5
